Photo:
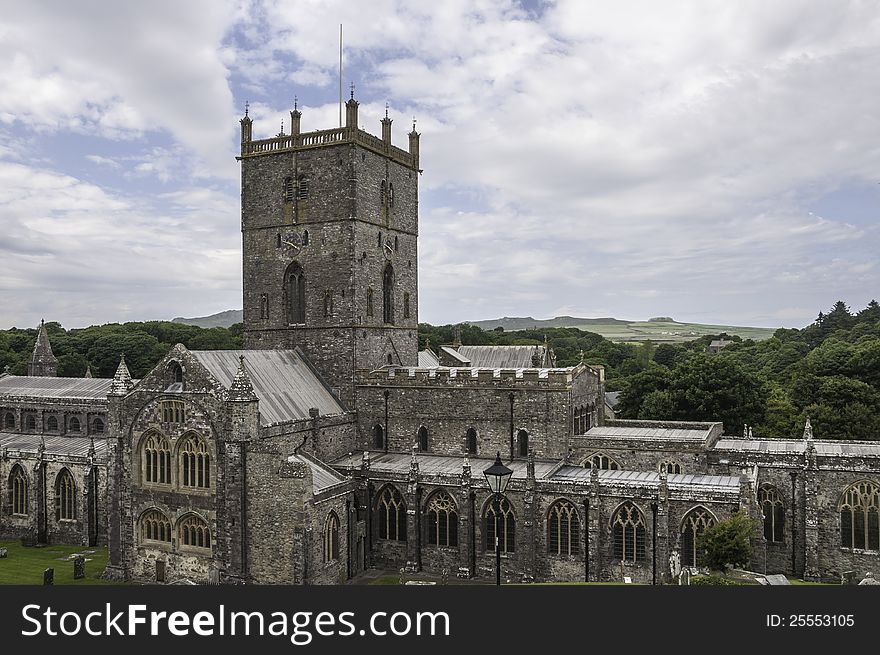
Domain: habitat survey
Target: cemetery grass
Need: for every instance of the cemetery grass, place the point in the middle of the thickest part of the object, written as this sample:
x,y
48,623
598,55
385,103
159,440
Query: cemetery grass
x,y
25,566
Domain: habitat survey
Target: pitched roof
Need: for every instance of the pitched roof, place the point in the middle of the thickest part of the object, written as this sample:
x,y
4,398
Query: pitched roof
x,y
455,355
798,446
323,477
627,432
428,359
42,348
55,445
285,384
56,388
611,398
501,356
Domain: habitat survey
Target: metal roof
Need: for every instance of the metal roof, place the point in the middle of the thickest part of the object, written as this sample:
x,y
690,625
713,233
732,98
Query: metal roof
x,y
55,445
501,356
452,352
624,432
439,464
611,398
61,388
282,379
799,446
323,477
648,477
427,359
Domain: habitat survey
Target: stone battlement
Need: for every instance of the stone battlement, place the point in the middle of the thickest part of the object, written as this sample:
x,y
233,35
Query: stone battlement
x,y
466,376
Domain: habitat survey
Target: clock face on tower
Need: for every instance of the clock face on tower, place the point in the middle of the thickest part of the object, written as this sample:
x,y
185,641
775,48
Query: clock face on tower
x,y
388,247
293,241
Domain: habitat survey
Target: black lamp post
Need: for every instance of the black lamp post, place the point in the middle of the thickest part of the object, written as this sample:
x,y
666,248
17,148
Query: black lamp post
x,y
497,476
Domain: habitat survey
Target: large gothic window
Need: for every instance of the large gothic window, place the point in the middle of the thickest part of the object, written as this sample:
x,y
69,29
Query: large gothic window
x,y
694,524
501,522
195,463
156,460
563,529
628,534
602,462
18,491
193,532
65,496
388,295
295,294
774,513
859,524
331,538
155,527
442,520
391,515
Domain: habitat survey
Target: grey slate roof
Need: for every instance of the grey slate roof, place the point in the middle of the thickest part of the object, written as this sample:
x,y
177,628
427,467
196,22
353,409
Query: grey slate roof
x,y
500,356
55,445
284,383
323,477
427,359
611,398
452,352
439,464
649,477
799,446
625,432
57,388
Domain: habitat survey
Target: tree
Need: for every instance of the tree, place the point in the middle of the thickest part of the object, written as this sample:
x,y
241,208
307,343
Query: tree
x,y
728,542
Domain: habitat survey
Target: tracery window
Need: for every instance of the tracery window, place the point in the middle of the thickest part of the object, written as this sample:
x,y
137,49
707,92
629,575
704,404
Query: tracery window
x,y
18,487
391,515
694,524
74,425
500,521
155,526
563,527
859,525
195,463
602,462
52,424
295,294
156,460
442,520
774,513
194,532
669,467
65,496
628,534
173,411
331,538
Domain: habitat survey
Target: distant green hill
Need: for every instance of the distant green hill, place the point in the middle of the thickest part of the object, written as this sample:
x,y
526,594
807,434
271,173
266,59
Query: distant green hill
x,y
658,330
222,319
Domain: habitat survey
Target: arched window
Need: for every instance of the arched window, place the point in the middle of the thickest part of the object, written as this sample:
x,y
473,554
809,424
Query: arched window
x,y
774,513
65,497
195,463
694,524
390,359
18,491
423,438
859,525
563,529
522,438
52,424
378,436
369,301
406,304
471,439
501,522
98,426
264,305
388,295
74,425
306,238
628,534
193,532
380,241
328,303
30,423
331,538
602,462
289,193
395,244
174,376
155,527
303,187
382,193
668,466
442,520
156,460
173,412
391,194
9,421
391,515
295,294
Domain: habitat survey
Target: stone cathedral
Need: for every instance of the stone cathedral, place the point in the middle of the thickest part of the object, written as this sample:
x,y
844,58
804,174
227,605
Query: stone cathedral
x,y
331,445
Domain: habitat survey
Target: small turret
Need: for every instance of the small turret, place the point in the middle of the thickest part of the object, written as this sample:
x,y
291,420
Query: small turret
x,y
351,112
122,382
295,116
242,390
88,371
246,125
414,145
386,128
43,362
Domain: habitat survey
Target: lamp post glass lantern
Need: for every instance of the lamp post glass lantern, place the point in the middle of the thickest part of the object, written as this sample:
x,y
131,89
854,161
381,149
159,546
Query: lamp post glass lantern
x,y
497,476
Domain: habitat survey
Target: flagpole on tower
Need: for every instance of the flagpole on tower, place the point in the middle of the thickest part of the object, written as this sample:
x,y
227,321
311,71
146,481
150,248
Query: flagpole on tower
x,y
340,74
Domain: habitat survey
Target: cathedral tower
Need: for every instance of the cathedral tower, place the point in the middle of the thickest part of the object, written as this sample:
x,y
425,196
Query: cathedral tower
x,y
329,229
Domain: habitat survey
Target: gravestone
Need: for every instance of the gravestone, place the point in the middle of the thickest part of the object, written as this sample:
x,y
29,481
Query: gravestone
x,y
49,577
79,567
848,577
777,579
2,552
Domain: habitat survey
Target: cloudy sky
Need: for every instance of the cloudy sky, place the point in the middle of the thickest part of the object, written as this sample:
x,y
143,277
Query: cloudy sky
x,y
717,162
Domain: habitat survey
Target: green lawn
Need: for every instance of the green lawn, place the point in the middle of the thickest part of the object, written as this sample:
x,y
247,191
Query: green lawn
x,y
26,565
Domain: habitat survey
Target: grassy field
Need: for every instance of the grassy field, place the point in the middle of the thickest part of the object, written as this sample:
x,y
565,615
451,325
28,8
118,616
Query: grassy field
x,y
26,565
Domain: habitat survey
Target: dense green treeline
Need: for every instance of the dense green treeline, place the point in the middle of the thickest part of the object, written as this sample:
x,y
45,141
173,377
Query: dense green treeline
x,y
828,371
